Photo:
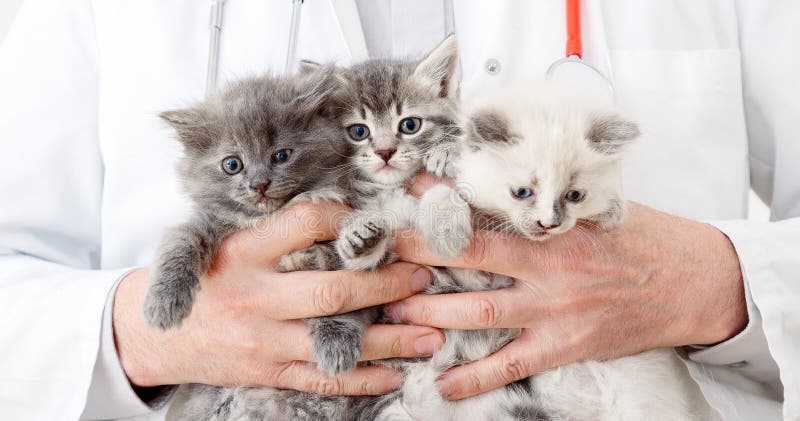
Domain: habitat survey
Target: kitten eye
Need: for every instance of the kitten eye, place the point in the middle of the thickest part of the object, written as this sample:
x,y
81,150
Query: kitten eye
x,y
358,132
410,125
575,196
232,165
521,192
282,156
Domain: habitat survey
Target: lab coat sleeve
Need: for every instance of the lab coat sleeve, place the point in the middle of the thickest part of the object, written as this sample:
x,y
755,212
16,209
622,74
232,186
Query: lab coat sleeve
x,y
52,294
769,252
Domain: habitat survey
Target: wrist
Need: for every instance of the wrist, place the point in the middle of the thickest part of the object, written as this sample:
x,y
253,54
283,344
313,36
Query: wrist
x,y
726,313
140,349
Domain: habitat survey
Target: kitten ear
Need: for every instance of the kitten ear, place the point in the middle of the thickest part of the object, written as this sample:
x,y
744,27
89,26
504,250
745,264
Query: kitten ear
x,y
319,86
192,125
609,134
488,127
307,67
439,69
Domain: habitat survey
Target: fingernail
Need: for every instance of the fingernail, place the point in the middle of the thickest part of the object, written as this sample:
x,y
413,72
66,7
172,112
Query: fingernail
x,y
428,344
420,279
396,382
445,386
395,312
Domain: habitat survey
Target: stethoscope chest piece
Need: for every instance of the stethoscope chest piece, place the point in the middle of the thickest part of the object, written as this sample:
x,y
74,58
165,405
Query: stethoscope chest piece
x,y
579,75
571,70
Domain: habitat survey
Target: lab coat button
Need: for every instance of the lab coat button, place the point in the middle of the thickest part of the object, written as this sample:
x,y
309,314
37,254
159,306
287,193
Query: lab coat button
x,y
739,364
492,66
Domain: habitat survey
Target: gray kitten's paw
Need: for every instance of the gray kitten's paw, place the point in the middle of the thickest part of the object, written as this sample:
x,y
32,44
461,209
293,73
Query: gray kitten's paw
x,y
363,244
439,161
169,298
445,221
316,257
337,344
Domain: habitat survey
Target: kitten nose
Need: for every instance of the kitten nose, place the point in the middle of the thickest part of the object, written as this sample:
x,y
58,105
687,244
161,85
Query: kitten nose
x,y
386,154
548,225
260,187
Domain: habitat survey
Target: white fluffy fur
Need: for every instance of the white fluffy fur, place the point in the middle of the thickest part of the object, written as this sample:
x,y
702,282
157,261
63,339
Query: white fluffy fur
x,y
550,153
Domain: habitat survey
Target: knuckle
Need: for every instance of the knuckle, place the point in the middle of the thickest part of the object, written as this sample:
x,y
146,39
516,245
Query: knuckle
x,y
511,368
325,385
424,315
473,383
397,347
330,297
387,287
487,314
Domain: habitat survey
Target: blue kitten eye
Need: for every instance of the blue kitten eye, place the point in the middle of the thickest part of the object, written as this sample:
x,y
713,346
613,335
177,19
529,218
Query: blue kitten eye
x,y
358,132
410,125
521,192
232,165
575,196
282,156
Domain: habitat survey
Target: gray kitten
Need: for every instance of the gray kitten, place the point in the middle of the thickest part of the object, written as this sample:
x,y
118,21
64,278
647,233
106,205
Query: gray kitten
x,y
400,116
258,145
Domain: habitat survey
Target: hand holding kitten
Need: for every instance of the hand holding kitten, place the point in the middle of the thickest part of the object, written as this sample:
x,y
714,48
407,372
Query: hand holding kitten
x,y
244,327
655,281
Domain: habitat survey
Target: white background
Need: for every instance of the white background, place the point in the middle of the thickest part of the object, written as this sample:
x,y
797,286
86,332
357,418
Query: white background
x,y
7,10
758,211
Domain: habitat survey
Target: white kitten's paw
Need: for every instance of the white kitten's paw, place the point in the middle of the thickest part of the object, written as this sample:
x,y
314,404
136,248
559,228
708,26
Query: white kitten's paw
x,y
439,160
445,221
316,257
363,244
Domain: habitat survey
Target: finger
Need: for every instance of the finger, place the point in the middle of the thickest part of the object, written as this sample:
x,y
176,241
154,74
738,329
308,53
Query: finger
x,y
489,251
371,380
380,342
291,229
424,181
515,361
400,341
305,294
504,308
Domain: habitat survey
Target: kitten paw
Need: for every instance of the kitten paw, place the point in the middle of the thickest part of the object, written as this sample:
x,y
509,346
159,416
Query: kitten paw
x,y
363,245
337,344
445,221
169,298
439,161
316,257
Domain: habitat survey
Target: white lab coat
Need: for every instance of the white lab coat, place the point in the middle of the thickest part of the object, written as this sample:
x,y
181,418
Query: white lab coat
x,y
88,183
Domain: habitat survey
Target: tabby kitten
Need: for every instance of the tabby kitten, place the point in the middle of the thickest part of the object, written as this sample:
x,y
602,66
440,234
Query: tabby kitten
x,y
250,150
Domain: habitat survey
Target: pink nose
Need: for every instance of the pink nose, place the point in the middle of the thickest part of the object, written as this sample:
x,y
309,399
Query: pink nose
x,y
547,224
385,154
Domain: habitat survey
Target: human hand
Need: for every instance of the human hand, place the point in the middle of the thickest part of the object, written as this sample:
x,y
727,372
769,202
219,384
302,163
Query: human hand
x,y
655,281
245,327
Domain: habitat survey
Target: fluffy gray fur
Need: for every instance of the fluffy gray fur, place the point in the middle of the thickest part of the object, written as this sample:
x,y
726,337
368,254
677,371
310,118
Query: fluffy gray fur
x,y
252,120
378,94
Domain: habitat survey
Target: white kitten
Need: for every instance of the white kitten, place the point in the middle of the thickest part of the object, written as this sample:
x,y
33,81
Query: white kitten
x,y
533,162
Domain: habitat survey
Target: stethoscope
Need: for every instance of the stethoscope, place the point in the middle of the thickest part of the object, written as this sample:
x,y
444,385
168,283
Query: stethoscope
x,y
215,29
571,69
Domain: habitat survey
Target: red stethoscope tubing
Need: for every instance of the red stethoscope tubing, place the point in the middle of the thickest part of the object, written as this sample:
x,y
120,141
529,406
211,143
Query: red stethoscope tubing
x,y
574,39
